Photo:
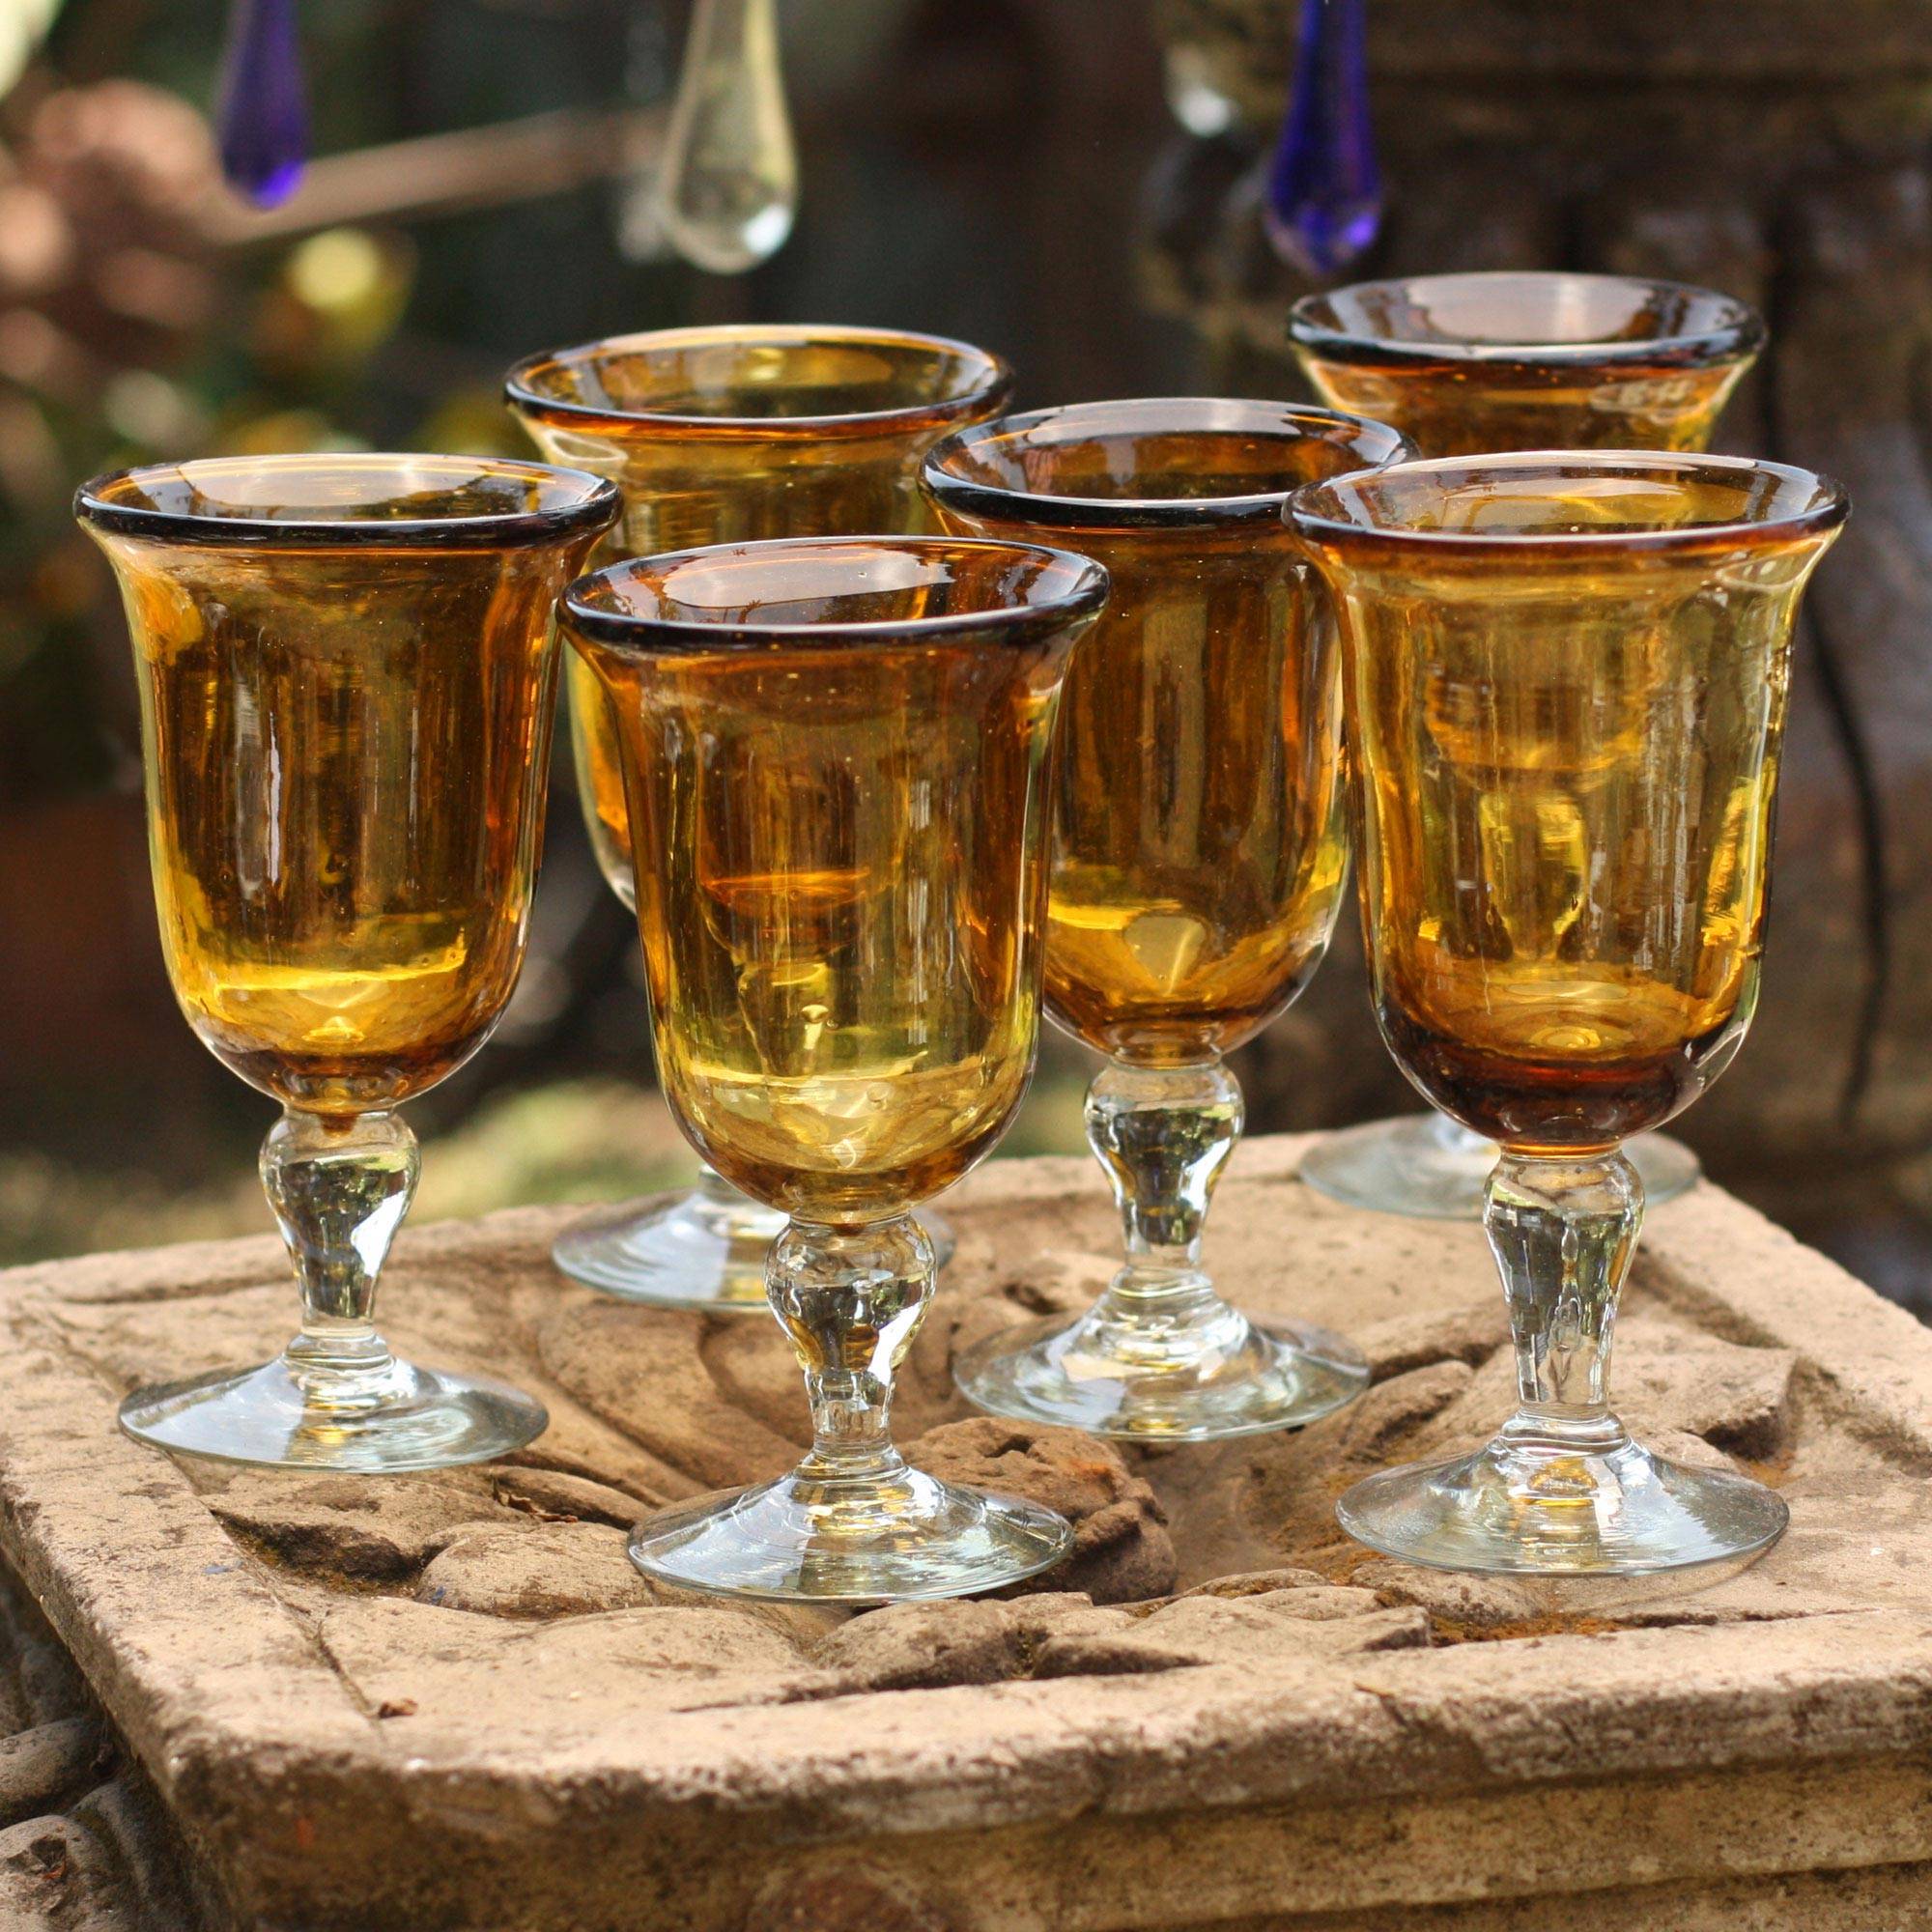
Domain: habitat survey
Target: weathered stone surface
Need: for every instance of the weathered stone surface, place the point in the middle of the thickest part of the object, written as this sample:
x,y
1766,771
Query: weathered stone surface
x,y
429,1674
378,1531
552,1495
47,1763
448,1700
1290,1495
922,1646
1895,1899
85,1848
560,1570
1243,1630
54,1873
648,1375
1122,1551
1471,1334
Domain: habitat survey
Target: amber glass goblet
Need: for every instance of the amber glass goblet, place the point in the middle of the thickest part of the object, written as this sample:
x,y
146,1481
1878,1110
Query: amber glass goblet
x,y
836,755
1566,678
347,673
1199,852
1468,364
721,435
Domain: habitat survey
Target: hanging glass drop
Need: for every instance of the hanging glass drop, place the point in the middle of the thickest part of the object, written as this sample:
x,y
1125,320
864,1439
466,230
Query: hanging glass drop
x,y
730,173
1324,198
264,118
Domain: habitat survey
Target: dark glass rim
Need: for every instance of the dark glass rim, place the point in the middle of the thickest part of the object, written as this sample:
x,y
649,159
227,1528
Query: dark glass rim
x,y
597,509
1828,509
1740,337
994,383
1154,415
652,636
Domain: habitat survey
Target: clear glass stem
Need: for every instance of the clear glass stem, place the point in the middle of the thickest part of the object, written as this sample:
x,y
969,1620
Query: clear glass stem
x,y
1163,1134
340,1189
1561,1490
853,1523
335,1399
1160,1355
851,1300
1563,1232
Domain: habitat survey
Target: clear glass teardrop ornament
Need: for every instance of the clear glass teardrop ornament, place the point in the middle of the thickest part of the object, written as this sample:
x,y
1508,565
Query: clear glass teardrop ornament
x,y
730,185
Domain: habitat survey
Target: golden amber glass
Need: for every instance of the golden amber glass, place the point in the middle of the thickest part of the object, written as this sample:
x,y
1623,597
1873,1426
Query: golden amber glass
x,y
1463,364
1199,844
724,435
345,738
1566,677
836,753
347,672
735,434
1199,849
1469,363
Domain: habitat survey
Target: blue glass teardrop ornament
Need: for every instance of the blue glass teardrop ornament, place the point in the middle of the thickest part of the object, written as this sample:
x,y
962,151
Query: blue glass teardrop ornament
x,y
1324,195
263,116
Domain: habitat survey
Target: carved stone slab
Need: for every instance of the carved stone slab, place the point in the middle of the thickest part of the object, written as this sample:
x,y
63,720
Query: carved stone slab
x,y
441,1702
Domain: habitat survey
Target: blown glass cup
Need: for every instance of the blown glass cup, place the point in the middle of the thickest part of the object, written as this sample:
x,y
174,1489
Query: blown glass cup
x,y
347,672
1199,852
835,754
724,434
1470,365
1566,678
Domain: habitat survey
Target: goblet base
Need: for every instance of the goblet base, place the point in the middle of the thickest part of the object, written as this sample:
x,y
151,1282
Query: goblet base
x,y
397,1418
1526,1506
848,1540
1110,1374
689,1251
1427,1167
675,1251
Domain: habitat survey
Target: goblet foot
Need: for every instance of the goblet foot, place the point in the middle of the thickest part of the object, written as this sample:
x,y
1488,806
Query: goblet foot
x,y
704,1250
382,1421
813,1539
1121,1373
1539,1506
1425,1165
675,1251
